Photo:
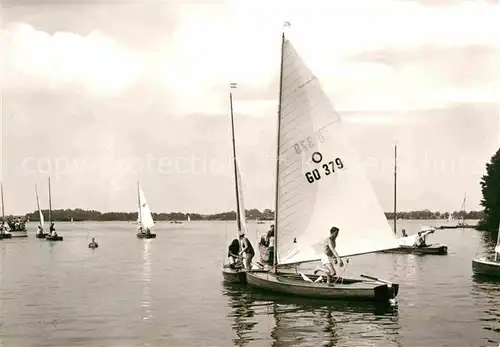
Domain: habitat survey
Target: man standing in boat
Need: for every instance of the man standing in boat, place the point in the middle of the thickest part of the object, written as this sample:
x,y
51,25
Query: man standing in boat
x,y
330,255
247,251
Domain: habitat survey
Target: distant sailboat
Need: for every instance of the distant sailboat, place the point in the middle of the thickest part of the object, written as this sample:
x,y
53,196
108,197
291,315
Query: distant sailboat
x,y
410,244
319,184
189,218
53,236
40,234
4,228
144,218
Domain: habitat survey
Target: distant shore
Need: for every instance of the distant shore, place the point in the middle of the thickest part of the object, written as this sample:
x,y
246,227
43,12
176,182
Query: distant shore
x,y
79,215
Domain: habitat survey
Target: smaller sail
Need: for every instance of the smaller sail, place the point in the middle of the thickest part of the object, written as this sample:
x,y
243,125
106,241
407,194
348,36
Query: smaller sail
x,y
241,212
145,216
39,209
189,218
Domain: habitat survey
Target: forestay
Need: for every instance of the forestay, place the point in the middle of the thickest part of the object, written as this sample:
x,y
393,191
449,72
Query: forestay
x,y
145,217
39,209
321,181
241,212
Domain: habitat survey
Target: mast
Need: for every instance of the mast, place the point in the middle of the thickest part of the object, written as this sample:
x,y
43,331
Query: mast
x,y
38,202
50,204
238,217
276,199
395,186
139,203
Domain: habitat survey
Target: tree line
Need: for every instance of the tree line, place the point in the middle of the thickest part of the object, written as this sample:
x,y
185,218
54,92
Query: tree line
x,y
78,215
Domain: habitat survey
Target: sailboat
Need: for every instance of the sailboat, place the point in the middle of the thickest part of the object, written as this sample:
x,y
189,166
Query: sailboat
x,y
407,243
461,223
189,218
489,266
17,228
40,234
236,273
4,229
319,185
52,233
144,218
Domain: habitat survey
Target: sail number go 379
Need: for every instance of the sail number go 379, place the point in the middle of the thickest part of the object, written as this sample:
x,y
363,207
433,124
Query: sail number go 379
x,y
317,158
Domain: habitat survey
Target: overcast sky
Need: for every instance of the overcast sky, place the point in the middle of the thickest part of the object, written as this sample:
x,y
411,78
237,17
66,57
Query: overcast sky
x,y
88,87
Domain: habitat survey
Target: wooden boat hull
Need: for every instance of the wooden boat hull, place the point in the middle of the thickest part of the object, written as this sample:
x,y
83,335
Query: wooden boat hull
x,y
431,249
486,267
231,275
93,245
23,233
146,236
5,236
41,236
293,284
54,238
457,227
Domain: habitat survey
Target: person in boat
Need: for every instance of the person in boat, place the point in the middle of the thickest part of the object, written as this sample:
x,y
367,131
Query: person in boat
x,y
330,255
40,229
93,244
52,230
404,233
246,251
421,240
233,253
148,231
270,245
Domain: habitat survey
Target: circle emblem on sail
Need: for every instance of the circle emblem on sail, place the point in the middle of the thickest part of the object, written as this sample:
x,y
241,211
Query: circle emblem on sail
x,y
317,157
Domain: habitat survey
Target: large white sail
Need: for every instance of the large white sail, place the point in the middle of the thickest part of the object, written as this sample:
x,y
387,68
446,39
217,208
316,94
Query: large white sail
x,y
39,209
145,218
321,182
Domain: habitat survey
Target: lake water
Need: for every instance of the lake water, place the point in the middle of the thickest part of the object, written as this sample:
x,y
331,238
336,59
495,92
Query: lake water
x,y
169,292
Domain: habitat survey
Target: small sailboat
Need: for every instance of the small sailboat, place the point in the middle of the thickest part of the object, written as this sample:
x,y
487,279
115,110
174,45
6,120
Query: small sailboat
x,y
235,272
4,228
53,236
144,218
490,265
16,228
189,218
40,234
319,185
413,244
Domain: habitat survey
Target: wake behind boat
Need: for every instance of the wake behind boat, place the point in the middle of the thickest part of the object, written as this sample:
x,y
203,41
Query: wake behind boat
x,y
144,217
321,190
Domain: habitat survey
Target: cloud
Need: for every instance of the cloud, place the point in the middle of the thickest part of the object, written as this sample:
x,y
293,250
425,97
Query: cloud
x,y
94,62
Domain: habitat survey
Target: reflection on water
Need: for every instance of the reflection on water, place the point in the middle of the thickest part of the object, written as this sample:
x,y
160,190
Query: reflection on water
x,y
146,280
486,294
306,322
